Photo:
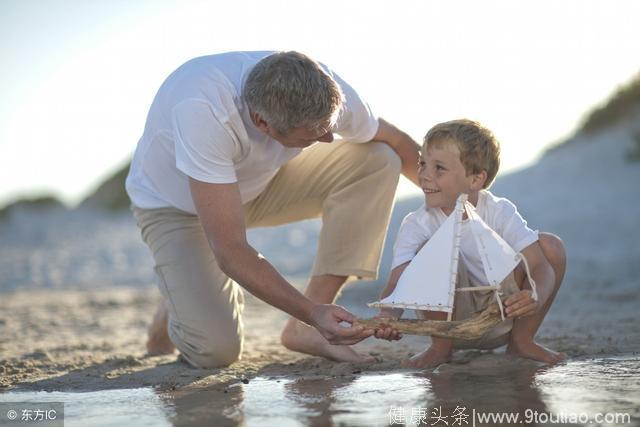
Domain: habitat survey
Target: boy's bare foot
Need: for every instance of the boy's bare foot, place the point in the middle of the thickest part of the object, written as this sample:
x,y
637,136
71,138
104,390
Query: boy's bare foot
x,y
430,358
159,342
533,350
302,338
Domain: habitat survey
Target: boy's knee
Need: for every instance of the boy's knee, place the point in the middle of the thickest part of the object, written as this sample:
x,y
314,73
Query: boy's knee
x,y
553,249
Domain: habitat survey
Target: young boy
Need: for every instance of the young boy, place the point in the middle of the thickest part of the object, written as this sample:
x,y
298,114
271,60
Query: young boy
x,y
462,156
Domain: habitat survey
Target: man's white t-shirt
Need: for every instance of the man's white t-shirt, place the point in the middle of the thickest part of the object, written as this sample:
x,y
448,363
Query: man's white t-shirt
x,y
499,214
199,126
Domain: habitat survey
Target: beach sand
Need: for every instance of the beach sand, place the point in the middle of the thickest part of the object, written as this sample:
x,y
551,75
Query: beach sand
x,y
92,340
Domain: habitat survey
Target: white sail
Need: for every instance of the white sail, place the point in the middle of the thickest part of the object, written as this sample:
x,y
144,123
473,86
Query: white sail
x,y
498,258
428,282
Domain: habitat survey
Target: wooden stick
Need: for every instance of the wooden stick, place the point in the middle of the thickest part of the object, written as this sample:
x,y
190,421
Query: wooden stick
x,y
468,329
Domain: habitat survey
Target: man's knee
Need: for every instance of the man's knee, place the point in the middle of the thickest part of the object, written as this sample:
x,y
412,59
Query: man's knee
x,y
215,355
381,156
214,352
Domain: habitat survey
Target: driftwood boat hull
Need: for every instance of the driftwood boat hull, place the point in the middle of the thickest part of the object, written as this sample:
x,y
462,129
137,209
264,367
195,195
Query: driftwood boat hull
x,y
468,329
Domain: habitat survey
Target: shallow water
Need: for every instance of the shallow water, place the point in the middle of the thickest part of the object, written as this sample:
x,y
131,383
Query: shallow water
x,y
134,407
464,393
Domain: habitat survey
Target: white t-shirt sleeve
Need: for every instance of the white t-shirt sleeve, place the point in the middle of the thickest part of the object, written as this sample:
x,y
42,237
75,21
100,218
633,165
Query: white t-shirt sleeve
x,y
356,122
411,237
514,228
204,149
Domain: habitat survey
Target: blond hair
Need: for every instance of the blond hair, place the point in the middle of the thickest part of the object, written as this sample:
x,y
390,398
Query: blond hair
x,y
290,90
479,148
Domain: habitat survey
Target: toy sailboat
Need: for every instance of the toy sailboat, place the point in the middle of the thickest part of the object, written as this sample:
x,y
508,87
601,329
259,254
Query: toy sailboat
x,y
429,281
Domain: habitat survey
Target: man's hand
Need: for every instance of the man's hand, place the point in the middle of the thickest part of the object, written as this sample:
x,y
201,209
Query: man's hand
x,y
521,304
326,318
387,333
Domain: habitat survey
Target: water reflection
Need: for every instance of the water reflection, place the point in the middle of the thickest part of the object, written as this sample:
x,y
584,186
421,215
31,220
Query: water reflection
x,y
211,406
353,400
130,407
318,397
363,400
484,384
594,386
487,383
463,392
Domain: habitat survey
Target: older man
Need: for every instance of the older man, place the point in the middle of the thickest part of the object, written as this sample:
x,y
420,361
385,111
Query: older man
x,y
229,143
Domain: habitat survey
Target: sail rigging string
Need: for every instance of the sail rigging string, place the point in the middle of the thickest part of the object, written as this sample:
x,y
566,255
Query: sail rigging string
x,y
534,289
496,289
496,293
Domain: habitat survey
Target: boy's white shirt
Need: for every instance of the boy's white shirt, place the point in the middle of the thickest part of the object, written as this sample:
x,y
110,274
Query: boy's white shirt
x,y
499,214
199,126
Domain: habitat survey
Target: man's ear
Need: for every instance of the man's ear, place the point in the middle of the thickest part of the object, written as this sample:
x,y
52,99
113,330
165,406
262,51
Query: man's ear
x,y
478,180
261,123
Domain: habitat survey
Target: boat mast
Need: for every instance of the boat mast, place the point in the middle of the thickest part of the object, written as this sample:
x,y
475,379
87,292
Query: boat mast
x,y
455,256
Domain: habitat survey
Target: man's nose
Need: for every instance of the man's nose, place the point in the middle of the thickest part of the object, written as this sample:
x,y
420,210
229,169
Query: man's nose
x,y
327,137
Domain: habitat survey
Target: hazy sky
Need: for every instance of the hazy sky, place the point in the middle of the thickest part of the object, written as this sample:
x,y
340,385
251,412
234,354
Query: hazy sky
x,y
78,76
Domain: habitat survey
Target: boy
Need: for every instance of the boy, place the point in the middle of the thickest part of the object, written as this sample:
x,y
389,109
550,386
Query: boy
x,y
462,156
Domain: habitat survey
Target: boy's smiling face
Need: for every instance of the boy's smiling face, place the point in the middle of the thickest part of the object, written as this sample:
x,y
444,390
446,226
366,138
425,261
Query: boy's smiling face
x,y
443,177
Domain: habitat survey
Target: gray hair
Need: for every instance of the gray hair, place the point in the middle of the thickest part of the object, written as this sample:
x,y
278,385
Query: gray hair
x,y
289,90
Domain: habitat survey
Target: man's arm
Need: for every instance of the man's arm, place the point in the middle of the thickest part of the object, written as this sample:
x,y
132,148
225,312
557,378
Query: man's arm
x,y
403,145
221,214
521,303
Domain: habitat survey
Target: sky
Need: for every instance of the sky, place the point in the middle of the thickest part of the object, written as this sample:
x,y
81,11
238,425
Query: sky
x,y
78,76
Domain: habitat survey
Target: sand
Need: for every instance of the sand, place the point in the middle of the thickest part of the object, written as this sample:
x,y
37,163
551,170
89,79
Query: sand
x,y
93,340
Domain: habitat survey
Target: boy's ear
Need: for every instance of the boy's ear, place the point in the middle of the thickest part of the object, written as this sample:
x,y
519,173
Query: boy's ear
x,y
478,180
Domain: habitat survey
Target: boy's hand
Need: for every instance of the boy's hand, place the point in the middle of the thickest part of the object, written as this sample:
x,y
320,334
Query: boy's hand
x,y
521,304
388,334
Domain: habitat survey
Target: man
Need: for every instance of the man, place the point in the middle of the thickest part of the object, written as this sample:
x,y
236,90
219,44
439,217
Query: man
x,y
222,150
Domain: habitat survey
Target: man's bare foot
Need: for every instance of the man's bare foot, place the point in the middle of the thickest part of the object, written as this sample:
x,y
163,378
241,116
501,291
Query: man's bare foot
x,y
158,333
533,350
430,358
297,336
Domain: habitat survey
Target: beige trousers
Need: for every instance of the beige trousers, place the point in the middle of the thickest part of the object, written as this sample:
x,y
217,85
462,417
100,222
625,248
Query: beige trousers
x,y
351,186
